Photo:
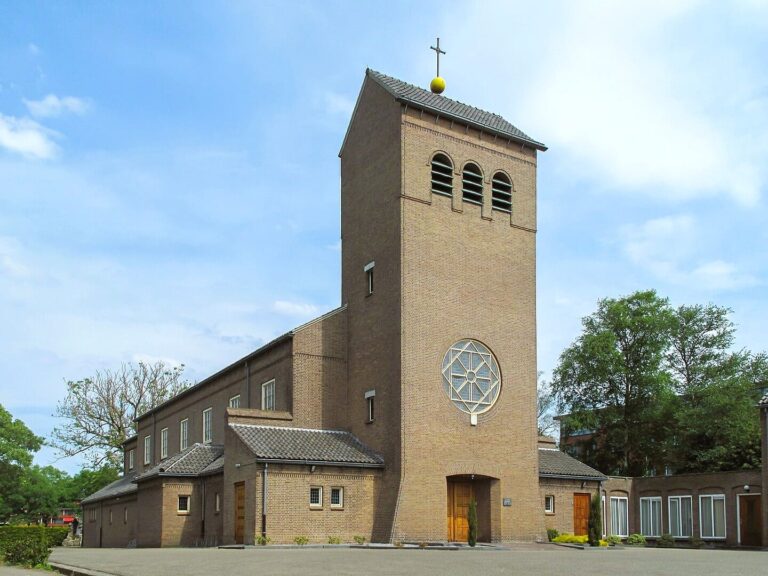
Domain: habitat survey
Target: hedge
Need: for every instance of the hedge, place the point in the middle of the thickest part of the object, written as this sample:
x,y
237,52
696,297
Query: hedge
x,y
10,535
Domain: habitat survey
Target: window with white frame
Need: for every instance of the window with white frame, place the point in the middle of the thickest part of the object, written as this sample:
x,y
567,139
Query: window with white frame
x,y
337,497
268,395
619,516
125,515
602,514
207,425
164,443
316,497
712,515
183,504
234,402
549,504
217,506
368,269
370,399
131,458
183,434
680,516
147,449
650,516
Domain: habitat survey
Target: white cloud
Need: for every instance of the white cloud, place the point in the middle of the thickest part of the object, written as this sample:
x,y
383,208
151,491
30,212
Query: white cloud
x,y
720,275
33,48
52,106
10,263
301,309
26,137
150,359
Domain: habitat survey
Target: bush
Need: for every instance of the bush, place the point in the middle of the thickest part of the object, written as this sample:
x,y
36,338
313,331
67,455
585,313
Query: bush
x,y
636,540
552,534
581,540
613,540
334,540
28,553
263,540
12,534
359,540
301,540
595,522
472,521
666,541
696,542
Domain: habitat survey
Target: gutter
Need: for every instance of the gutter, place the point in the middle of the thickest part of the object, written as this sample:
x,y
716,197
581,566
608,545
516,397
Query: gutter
x,y
317,463
572,477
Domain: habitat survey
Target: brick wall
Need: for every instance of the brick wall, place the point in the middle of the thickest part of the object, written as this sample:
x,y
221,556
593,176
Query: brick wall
x,y
113,523
563,490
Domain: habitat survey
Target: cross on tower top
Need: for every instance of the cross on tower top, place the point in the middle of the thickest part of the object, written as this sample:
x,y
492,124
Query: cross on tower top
x,y
437,53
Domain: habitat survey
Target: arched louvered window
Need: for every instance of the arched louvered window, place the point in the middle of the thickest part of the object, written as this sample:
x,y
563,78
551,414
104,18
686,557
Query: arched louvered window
x,y
501,192
472,184
442,175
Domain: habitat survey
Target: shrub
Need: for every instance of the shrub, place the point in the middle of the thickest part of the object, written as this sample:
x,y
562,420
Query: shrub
x,y
613,540
472,520
301,540
570,539
636,540
595,524
666,541
28,553
52,536
263,540
552,534
359,540
696,542
334,540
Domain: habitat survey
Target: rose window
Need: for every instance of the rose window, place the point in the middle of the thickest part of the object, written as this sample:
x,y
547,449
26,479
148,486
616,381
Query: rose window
x,y
471,376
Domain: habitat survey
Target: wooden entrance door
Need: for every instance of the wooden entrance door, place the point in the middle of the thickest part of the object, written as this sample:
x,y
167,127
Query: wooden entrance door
x,y
239,512
459,496
750,521
581,514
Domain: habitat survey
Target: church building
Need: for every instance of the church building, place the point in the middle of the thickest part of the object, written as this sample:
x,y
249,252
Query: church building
x,y
384,418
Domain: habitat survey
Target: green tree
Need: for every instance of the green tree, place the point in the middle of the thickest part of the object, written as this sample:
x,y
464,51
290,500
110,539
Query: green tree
x,y
595,522
612,381
100,411
17,447
43,492
87,481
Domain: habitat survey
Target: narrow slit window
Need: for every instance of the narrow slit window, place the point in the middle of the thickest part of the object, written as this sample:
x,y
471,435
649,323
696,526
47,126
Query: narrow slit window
x,y
368,269
131,457
164,443
501,193
207,425
370,399
472,184
268,395
183,434
442,175
147,449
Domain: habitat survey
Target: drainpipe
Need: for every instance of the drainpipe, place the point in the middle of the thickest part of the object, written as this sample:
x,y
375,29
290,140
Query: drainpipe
x,y
264,501
202,512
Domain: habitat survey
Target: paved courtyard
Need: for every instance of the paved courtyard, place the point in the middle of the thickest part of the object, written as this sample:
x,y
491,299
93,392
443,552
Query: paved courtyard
x,y
539,560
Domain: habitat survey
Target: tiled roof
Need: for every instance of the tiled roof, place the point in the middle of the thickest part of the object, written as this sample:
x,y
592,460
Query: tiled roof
x,y
120,487
283,444
190,462
557,464
425,100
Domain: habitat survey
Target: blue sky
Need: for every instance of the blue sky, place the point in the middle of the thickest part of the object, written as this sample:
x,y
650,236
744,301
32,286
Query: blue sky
x,y
169,180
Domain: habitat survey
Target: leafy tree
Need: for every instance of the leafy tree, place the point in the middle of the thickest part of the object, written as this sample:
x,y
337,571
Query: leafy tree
x,y
42,491
86,482
595,522
17,447
100,411
546,402
612,380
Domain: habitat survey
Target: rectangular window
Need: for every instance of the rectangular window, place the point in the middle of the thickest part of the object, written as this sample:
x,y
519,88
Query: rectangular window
x,y
602,514
183,505
131,458
207,428
268,395
110,516
164,443
619,516
183,434
316,497
234,402
337,497
370,399
368,269
650,516
680,516
217,505
712,516
125,515
549,504
147,449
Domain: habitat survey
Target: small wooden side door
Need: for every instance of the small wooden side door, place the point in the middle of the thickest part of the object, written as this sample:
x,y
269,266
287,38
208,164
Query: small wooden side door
x,y
750,520
459,497
239,512
581,514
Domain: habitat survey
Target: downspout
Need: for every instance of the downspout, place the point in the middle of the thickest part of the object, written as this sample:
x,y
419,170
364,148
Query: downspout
x,y
202,512
264,501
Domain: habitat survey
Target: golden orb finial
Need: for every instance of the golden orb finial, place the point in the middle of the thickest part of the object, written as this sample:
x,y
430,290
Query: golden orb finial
x,y
437,85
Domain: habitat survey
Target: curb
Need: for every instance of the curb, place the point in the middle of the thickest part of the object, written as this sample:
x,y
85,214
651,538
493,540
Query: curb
x,y
76,570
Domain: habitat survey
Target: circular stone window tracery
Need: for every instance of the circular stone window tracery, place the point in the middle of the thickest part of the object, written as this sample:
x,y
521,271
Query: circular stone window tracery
x,y
471,376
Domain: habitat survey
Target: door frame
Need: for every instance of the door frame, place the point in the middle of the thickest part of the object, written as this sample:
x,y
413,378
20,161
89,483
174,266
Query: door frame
x,y
451,484
738,512
573,512
237,485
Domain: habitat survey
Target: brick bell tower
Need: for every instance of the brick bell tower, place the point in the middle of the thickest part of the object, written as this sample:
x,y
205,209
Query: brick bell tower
x,y
439,275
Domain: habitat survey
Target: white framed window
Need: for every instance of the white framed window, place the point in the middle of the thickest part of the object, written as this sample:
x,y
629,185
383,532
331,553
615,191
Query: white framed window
x,y
712,516
234,402
549,504
184,504
183,434
602,514
268,395
131,458
368,269
650,516
207,425
370,399
680,516
147,449
337,497
316,497
164,443
125,515
110,516
217,503
619,516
